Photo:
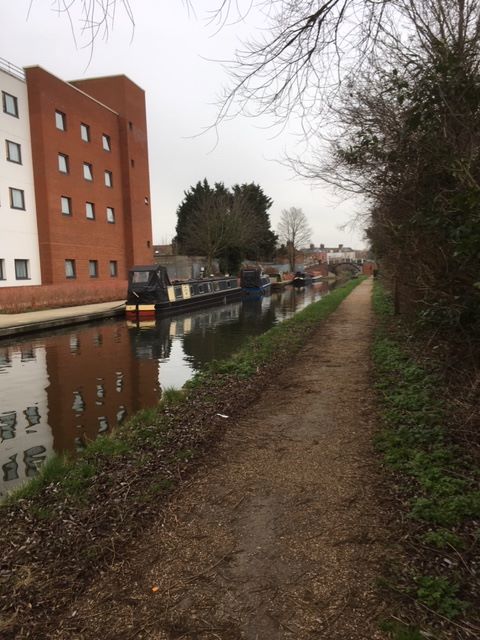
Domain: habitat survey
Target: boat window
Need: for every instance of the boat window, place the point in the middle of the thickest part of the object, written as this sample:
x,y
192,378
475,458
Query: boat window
x,y
140,277
215,286
192,291
229,283
178,292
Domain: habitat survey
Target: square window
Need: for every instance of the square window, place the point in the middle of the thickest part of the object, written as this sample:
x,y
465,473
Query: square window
x,y
17,198
108,179
60,121
2,269
87,171
66,205
113,268
14,152
110,214
21,270
63,164
85,132
90,210
70,271
106,142
10,104
93,268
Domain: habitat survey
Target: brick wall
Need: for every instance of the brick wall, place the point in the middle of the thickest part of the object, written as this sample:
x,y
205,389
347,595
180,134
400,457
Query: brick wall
x,y
18,299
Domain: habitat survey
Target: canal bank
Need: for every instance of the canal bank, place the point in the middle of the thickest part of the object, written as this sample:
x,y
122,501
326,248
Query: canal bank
x,y
12,324
268,437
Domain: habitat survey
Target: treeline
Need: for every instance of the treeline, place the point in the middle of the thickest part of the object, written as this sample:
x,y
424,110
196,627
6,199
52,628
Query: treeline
x,y
229,225
409,140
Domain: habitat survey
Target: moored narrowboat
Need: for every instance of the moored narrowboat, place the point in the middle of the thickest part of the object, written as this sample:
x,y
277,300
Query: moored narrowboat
x,y
152,293
254,281
301,279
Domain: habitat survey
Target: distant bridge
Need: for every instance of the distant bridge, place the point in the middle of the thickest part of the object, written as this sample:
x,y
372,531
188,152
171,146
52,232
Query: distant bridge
x,y
345,266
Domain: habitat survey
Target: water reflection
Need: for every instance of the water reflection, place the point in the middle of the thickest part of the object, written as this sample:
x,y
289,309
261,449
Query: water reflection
x,y
61,389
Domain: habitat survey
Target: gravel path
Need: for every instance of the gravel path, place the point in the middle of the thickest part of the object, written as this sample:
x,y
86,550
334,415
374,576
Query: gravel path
x,y
281,536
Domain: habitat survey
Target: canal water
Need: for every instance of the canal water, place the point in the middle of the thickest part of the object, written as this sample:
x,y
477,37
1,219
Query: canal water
x,y
60,389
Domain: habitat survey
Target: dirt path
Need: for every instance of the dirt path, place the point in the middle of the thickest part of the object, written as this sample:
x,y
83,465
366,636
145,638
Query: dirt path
x,y
281,536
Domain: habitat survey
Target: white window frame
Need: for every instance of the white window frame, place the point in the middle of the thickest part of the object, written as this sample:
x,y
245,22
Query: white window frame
x,y
113,268
93,268
85,132
70,269
66,210
110,215
90,210
60,120
15,147
63,163
108,178
88,171
106,142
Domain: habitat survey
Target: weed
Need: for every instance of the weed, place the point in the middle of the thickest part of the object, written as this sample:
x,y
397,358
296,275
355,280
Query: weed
x,y
440,595
442,539
399,631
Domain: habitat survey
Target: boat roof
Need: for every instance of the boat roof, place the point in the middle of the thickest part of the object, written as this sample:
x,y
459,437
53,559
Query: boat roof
x,y
146,267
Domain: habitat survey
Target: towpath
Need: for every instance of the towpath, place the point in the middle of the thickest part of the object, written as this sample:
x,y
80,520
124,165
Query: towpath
x,y
281,535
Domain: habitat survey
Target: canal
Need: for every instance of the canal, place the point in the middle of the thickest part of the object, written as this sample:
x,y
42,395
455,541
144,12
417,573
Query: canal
x,y
62,388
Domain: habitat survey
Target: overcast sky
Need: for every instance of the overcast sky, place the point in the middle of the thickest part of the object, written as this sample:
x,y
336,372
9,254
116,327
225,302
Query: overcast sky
x,y
171,55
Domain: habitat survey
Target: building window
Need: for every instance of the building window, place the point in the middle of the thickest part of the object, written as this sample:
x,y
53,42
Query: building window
x,y
21,270
108,179
132,162
70,271
17,198
90,210
10,104
93,268
14,152
63,164
60,121
85,132
87,171
66,205
106,142
113,268
110,214
2,269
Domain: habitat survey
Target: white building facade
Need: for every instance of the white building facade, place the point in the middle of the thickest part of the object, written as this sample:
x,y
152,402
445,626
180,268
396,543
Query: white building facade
x,y
19,252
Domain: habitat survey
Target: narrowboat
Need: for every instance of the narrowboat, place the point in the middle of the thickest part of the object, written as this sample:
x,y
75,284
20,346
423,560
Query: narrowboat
x,y
301,279
254,281
151,292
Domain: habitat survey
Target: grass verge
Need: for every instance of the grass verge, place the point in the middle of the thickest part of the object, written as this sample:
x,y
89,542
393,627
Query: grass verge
x,y
435,483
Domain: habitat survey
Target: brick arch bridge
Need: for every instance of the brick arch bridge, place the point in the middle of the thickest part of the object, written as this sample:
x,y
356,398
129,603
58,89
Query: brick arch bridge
x,y
345,266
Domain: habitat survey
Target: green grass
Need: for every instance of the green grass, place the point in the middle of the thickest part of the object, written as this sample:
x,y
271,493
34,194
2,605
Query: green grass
x,y
416,445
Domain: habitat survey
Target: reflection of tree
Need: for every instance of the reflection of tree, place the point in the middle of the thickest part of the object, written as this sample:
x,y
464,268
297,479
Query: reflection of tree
x,y
204,344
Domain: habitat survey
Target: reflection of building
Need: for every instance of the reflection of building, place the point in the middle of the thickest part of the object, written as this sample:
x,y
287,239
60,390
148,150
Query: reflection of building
x,y
65,389
96,381
25,436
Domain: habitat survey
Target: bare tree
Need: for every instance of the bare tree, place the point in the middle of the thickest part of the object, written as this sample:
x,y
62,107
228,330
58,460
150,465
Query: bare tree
x,y
218,223
294,231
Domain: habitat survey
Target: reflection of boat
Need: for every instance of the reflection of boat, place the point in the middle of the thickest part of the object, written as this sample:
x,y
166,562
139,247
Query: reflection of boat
x,y
300,279
151,293
254,281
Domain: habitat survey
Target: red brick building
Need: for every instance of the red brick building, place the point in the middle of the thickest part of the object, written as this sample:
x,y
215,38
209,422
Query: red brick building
x,y
89,153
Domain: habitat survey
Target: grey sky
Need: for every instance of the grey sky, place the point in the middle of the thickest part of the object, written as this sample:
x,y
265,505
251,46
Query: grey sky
x,y
169,55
